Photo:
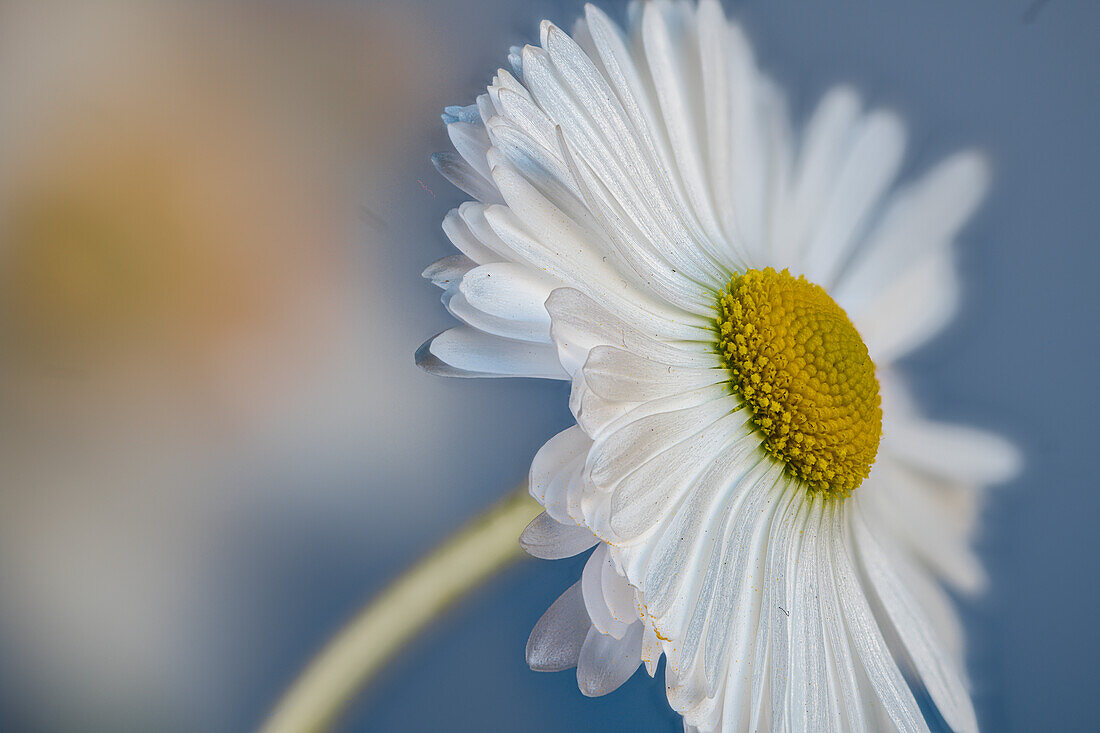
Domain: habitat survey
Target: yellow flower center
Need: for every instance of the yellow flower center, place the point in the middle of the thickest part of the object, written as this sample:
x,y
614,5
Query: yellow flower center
x,y
804,371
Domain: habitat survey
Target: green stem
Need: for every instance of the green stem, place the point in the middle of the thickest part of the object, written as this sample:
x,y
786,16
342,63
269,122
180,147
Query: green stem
x,y
348,662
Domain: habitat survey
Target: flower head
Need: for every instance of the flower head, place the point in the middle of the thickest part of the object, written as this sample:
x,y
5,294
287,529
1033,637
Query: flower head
x,y
769,510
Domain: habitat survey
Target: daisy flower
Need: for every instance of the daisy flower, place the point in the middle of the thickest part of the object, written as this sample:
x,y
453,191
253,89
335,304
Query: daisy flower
x,y
727,297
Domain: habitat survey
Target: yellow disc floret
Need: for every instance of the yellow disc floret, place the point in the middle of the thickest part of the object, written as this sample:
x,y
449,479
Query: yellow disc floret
x,y
804,371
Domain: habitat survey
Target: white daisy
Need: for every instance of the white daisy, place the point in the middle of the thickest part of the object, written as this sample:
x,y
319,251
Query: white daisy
x,y
727,299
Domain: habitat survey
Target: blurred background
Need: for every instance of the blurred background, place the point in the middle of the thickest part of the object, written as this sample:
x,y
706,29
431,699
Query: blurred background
x,y
214,445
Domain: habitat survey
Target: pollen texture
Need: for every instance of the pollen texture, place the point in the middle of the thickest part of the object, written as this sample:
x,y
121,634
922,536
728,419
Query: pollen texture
x,y
804,371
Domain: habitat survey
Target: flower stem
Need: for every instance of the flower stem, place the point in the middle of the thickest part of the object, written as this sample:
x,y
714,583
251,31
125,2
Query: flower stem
x,y
348,662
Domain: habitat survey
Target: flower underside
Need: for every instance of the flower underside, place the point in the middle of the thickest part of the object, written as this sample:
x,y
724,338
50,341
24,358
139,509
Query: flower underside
x,y
803,370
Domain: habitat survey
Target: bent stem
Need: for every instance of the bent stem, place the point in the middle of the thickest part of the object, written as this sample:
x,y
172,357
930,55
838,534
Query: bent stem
x,y
487,544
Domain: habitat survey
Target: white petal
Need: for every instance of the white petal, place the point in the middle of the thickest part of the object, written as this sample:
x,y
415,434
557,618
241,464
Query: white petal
x,y
810,705
511,294
921,581
473,215
606,662
618,594
462,175
654,428
603,140
485,108
521,113
515,60
909,507
913,308
868,170
845,676
937,671
447,271
633,93
734,580
506,81
626,447
594,413
779,139
616,374
558,463
771,666
472,143
824,143
553,243
953,452
652,263
711,29
558,637
751,144
695,578
674,69
685,551
459,307
465,352
542,168
465,240
604,619
580,324
548,539
923,217
583,37
877,663
649,493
